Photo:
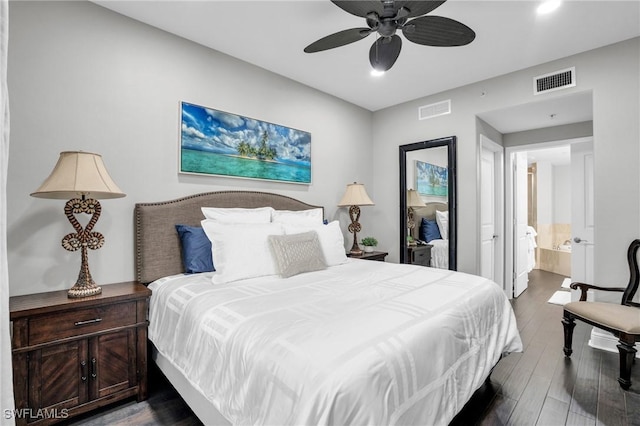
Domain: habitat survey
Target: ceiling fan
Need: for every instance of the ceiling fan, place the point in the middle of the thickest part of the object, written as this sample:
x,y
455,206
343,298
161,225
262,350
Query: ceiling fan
x,y
385,17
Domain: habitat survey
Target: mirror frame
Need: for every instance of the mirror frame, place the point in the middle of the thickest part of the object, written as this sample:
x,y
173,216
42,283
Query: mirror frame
x,y
450,143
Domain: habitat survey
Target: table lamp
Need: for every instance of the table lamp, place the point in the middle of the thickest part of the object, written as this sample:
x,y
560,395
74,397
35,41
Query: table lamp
x,y
354,197
82,177
413,200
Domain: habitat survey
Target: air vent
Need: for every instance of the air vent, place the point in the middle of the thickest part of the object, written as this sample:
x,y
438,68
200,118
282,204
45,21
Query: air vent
x,y
554,81
434,110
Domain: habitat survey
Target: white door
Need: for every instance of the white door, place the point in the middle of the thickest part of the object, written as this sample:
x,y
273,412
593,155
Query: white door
x,y
521,242
582,211
487,215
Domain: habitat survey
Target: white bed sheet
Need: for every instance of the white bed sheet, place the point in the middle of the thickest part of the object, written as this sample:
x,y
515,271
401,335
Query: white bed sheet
x,y
359,343
440,254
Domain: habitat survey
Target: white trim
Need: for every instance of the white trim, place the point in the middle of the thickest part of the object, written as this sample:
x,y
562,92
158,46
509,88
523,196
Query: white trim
x,y
606,341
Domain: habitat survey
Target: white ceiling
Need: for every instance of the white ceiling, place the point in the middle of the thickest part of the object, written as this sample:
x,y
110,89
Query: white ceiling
x,y
272,35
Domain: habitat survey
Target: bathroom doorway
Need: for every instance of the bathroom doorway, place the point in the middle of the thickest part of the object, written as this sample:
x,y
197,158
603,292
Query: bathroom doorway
x,y
554,178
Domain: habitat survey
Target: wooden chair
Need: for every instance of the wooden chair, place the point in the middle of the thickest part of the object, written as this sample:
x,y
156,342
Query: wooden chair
x,y
622,320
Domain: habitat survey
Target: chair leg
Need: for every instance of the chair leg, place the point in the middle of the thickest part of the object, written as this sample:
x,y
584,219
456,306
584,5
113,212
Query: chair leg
x,y
569,324
627,354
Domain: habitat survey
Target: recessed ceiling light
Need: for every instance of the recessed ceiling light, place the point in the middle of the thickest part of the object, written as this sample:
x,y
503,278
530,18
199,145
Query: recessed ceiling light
x,y
377,73
548,6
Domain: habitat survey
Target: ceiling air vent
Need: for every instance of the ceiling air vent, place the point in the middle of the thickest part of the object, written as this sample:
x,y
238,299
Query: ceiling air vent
x,y
554,81
434,110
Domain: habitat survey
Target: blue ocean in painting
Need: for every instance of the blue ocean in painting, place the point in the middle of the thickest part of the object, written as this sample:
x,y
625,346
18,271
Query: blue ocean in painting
x,y
221,143
431,179
231,165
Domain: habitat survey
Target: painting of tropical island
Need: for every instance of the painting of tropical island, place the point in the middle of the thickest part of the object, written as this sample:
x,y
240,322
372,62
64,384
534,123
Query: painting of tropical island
x,y
214,142
431,179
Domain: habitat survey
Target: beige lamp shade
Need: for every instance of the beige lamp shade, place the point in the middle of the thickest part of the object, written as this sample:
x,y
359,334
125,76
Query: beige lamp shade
x,y
79,173
413,199
355,195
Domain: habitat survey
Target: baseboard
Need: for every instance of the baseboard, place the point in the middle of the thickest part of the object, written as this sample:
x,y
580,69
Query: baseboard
x,y
606,341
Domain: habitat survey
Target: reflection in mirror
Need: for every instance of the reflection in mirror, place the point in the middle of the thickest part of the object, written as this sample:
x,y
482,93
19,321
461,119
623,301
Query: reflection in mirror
x,y
428,203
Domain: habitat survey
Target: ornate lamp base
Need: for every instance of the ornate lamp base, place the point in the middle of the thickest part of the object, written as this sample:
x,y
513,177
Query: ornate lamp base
x,y
355,227
83,239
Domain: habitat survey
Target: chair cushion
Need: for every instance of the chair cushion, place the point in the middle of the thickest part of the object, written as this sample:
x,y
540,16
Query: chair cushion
x,y
619,317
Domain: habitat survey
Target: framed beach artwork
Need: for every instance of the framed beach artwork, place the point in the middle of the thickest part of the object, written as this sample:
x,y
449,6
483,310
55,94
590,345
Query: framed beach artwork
x,y
431,179
219,143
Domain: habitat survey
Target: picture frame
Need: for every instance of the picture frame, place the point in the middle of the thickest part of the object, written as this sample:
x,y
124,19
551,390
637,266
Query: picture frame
x,y
431,180
219,143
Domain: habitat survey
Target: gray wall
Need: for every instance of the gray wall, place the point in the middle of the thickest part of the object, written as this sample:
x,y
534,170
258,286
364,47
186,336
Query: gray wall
x,y
82,77
616,148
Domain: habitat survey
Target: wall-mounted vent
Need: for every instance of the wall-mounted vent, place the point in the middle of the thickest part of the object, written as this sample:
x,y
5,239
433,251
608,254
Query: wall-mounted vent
x,y
434,110
554,81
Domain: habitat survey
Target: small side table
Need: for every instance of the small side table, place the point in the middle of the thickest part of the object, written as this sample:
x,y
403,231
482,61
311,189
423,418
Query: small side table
x,y
420,255
374,255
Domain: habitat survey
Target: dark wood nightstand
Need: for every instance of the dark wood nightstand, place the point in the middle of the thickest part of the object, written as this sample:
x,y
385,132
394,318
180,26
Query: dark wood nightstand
x,y
420,255
374,255
73,355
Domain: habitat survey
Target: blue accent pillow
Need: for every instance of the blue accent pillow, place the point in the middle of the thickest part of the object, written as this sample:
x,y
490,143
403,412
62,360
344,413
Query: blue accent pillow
x,y
196,249
429,230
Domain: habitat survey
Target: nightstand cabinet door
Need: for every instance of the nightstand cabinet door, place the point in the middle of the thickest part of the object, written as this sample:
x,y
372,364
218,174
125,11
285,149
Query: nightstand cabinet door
x,y
112,363
56,379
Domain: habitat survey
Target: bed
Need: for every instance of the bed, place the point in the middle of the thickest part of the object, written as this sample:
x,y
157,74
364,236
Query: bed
x,y
439,242
357,342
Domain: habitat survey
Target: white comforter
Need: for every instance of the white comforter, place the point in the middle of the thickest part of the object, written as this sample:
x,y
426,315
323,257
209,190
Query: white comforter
x,y
439,254
360,343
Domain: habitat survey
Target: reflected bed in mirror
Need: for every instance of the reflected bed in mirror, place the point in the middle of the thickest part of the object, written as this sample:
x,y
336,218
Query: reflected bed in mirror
x,y
428,200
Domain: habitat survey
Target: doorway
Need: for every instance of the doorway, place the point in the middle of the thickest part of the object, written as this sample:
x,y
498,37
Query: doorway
x,y
545,219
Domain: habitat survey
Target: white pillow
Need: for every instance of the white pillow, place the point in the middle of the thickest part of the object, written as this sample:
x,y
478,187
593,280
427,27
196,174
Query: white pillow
x,y
331,240
442,219
241,250
238,215
309,217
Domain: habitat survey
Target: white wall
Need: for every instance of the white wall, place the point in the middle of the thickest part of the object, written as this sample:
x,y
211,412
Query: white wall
x,y
83,77
545,193
616,147
561,194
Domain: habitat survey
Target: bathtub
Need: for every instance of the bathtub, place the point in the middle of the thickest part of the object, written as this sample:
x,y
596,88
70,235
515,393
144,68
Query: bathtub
x,y
556,260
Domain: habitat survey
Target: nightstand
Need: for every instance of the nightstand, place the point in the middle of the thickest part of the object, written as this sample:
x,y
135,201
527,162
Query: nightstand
x,y
374,255
73,355
420,255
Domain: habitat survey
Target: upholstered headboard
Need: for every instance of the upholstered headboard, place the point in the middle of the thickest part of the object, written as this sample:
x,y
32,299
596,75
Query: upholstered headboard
x,y
428,212
157,245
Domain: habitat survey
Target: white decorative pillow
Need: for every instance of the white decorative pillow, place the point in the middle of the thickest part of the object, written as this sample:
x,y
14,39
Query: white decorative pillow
x,y
241,250
238,215
442,219
331,240
309,217
297,253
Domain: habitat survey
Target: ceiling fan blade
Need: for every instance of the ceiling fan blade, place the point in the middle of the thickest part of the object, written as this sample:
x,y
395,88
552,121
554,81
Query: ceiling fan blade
x,y
338,39
360,8
438,31
417,8
384,52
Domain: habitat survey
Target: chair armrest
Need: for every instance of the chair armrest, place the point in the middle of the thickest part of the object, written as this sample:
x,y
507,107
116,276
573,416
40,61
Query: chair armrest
x,y
585,287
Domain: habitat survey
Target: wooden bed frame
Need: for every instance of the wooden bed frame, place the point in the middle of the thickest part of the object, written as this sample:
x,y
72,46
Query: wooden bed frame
x,y
157,245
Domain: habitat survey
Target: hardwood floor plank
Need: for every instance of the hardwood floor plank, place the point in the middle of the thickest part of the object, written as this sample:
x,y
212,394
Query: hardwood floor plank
x,y
611,409
553,412
530,404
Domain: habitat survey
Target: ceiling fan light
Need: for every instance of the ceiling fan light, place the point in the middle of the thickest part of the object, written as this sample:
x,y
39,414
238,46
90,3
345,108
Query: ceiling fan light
x,y
377,73
548,6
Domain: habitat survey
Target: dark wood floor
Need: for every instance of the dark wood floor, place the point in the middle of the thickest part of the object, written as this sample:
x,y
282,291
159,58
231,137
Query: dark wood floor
x,y
537,387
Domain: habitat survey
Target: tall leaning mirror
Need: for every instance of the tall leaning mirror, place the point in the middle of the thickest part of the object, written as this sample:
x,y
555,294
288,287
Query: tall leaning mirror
x,y
428,217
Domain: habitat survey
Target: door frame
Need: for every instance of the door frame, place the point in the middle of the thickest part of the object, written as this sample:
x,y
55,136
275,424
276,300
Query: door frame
x,y
488,144
509,199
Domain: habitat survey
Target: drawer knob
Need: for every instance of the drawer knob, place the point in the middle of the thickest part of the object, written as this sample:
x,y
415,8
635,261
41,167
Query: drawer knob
x,y
91,321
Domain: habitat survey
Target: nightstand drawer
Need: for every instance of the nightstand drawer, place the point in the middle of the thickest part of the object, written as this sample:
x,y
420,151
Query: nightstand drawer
x,y
46,328
421,255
